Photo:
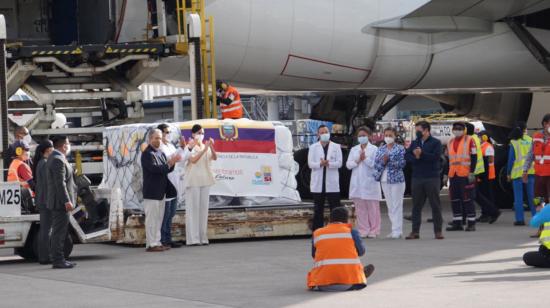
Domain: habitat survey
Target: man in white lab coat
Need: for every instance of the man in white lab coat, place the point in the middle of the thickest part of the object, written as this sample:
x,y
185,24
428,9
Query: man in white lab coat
x,y
324,159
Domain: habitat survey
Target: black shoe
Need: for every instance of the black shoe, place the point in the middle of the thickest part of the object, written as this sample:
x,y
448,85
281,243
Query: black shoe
x,y
519,223
430,220
483,218
369,269
470,228
175,245
408,217
63,265
493,219
455,227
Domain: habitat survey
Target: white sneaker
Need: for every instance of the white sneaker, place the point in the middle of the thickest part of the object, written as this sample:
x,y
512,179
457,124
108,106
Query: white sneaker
x,y
371,236
394,236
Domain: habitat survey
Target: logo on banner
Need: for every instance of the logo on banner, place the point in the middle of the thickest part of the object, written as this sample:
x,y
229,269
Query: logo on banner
x,y
229,132
263,177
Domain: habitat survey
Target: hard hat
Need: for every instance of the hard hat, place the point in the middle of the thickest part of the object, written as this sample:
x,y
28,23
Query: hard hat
x,y
21,147
60,121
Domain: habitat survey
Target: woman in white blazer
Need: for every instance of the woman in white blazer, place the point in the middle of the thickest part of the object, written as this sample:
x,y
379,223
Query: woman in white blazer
x,y
324,158
364,190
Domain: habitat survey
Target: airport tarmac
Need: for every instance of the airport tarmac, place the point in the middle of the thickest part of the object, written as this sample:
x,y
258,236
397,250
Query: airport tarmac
x,y
467,269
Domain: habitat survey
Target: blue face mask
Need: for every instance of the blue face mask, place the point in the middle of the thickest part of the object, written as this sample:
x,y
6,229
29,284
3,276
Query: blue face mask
x,y
325,138
363,139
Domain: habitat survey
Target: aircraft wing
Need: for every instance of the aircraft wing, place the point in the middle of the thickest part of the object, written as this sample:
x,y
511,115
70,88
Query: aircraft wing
x,y
462,15
490,10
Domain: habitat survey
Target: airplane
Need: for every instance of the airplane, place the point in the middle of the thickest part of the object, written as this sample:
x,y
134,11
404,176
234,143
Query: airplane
x,y
484,59
476,57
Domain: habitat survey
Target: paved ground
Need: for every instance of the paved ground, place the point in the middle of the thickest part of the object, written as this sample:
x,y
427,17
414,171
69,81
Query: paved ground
x,y
480,269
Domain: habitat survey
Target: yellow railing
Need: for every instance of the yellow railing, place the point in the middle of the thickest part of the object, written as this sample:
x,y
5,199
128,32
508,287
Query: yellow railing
x,y
206,47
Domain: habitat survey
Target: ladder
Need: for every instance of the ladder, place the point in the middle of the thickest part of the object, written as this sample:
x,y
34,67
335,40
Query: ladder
x,y
207,56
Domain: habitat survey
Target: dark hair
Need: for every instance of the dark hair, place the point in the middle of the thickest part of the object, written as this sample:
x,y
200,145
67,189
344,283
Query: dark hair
x,y
58,141
391,129
461,124
321,126
163,126
522,125
364,129
39,153
20,129
546,118
196,128
424,125
339,214
470,128
515,134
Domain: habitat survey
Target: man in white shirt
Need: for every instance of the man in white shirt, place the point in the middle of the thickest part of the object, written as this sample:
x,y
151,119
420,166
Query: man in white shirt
x,y
174,179
324,159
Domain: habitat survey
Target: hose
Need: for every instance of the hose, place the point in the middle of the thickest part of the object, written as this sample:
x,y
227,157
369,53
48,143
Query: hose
x,y
120,20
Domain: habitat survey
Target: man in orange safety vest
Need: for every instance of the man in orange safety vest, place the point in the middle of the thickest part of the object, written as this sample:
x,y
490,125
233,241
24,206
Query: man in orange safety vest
x,y
336,250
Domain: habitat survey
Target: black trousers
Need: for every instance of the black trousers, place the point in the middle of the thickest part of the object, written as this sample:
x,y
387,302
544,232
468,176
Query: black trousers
x,y
461,193
423,189
539,258
44,234
60,226
485,197
319,207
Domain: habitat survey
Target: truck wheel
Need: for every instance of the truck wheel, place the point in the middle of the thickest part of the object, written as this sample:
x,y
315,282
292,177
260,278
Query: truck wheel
x,y
345,175
304,174
28,252
68,248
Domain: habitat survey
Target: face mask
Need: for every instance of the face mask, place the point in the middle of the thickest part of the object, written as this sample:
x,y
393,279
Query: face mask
x,y
458,133
325,138
389,140
419,134
199,138
27,139
363,139
68,150
548,129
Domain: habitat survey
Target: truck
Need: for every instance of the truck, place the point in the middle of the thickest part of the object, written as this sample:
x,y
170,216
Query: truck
x,y
90,221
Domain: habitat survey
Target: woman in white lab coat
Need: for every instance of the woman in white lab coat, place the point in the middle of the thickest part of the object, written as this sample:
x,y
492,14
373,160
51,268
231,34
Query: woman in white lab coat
x,y
364,190
324,159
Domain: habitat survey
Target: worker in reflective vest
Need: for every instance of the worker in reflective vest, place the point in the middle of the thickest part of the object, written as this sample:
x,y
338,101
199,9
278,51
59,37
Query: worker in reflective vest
x,y
540,258
230,101
485,182
480,167
19,170
539,155
336,250
462,153
519,149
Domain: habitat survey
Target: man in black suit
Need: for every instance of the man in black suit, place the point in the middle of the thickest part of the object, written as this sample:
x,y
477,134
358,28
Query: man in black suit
x,y
156,187
61,198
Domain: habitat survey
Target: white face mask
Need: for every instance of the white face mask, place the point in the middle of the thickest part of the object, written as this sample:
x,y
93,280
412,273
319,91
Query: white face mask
x,y
458,133
199,138
363,139
27,139
68,150
389,140
325,137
